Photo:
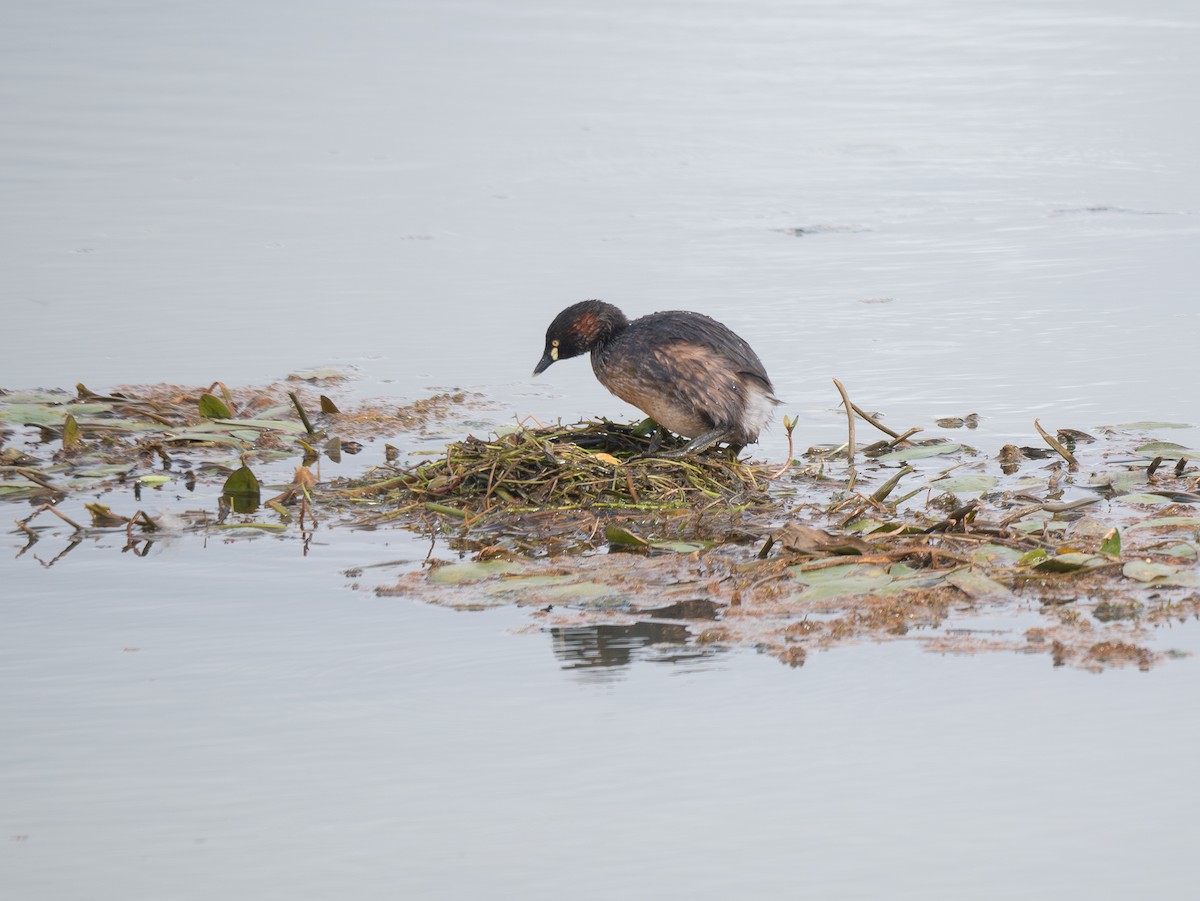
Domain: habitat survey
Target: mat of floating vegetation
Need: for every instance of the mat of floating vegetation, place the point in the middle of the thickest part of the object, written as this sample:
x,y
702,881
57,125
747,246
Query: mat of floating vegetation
x,y
1080,548
542,486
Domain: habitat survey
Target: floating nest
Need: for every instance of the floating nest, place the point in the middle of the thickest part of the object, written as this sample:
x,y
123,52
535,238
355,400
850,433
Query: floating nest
x,y
588,466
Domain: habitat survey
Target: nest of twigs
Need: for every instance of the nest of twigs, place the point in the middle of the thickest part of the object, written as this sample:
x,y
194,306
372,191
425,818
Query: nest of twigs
x,y
585,466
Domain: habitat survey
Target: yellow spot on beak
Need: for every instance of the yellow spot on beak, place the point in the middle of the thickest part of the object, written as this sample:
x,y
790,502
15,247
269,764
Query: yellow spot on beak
x,y
554,350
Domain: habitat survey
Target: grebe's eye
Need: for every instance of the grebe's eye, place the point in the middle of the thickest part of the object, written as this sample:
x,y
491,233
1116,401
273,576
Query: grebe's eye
x,y
554,349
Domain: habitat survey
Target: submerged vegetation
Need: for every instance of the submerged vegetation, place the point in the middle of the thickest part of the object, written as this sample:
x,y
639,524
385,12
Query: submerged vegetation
x,y
1077,547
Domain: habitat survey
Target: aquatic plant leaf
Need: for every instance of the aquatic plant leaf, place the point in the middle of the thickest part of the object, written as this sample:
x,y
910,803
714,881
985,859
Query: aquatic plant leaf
x,y
205,438
241,481
1143,571
607,458
996,553
328,406
1167,449
977,585
1069,562
620,537
579,592
1111,544
71,437
472,571
153,480
679,547
919,452
1149,500
1166,521
1149,425
212,407
263,526
263,425
518,583
969,484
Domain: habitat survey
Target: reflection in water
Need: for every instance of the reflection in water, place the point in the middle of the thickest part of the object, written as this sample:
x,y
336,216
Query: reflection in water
x,y
587,647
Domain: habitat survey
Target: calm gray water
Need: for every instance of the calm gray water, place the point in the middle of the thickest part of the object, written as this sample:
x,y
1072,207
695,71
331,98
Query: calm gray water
x,y
953,206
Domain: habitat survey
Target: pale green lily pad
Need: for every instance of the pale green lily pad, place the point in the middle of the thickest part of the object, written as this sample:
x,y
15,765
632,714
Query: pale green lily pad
x,y
1166,521
263,425
205,437
996,553
920,452
1167,450
516,584
262,526
472,571
977,585
1149,500
1038,525
969,484
1149,424
1147,572
153,480
104,470
579,592
1070,562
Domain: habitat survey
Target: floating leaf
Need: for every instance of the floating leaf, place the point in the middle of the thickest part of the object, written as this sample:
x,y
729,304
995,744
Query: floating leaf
x,y
472,571
263,526
212,407
328,406
607,458
997,553
153,480
262,425
969,484
1144,571
1166,521
976,584
1069,562
1149,500
1147,425
205,438
1167,449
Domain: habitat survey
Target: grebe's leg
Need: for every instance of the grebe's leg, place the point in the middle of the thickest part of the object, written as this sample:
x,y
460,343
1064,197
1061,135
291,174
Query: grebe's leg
x,y
697,444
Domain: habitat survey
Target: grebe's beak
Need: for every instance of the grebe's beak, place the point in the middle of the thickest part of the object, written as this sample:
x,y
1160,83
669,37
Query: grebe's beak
x,y
543,363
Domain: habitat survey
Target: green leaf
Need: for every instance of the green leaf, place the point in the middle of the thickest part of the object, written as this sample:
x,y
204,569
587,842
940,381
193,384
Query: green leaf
x,y
1070,562
969,484
1111,544
1148,500
976,584
472,571
1147,572
71,437
1166,521
264,526
1167,449
623,538
241,481
1147,424
212,407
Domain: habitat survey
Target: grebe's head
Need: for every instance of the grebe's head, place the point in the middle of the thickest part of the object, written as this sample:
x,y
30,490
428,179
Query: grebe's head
x,y
578,329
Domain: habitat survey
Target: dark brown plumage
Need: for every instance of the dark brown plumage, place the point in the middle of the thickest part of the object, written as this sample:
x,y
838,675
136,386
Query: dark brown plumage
x,y
686,371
